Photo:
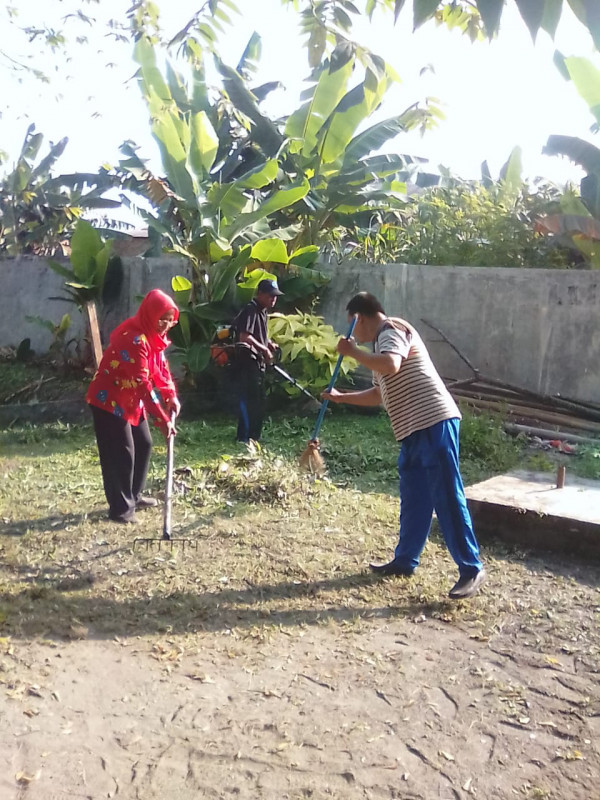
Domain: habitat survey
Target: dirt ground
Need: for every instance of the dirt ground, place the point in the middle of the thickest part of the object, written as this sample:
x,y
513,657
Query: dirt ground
x,y
396,704
266,662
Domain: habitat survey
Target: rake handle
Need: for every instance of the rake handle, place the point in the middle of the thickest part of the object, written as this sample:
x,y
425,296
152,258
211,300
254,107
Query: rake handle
x,y
168,486
336,371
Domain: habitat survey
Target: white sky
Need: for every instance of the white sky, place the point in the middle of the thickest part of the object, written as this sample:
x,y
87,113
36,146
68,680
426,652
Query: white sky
x,y
495,96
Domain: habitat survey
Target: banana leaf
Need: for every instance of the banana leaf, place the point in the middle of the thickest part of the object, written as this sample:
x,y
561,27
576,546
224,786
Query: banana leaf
x,y
306,123
280,198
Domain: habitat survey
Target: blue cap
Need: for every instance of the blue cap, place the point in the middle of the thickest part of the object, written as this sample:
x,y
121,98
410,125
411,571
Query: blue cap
x,y
269,286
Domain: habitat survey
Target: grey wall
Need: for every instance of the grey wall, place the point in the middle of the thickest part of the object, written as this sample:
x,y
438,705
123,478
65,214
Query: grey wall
x,y
538,329
535,328
27,283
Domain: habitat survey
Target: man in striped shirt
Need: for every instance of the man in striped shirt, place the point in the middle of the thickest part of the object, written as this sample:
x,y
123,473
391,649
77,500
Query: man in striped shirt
x,y
426,420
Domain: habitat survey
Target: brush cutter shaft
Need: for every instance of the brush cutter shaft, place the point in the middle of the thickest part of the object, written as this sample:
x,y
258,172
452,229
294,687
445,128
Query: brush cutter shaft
x,y
336,371
293,381
168,486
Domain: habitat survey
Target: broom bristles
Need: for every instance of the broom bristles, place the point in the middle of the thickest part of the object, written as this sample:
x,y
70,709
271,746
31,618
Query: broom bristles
x,y
311,459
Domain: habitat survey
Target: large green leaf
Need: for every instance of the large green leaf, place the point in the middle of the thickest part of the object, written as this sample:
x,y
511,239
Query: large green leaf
x,y
212,312
305,123
204,144
197,357
511,172
260,176
281,198
64,272
254,277
101,259
224,273
366,170
249,62
588,12
305,256
173,154
43,168
182,289
551,17
533,14
152,79
586,78
425,9
491,12
373,138
85,245
352,110
226,199
579,151
177,88
270,250
264,131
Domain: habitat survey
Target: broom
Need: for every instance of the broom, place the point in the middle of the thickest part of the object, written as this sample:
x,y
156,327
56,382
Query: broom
x,y
311,459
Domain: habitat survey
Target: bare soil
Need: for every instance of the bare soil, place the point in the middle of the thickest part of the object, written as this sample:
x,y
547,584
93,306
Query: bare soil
x,y
264,661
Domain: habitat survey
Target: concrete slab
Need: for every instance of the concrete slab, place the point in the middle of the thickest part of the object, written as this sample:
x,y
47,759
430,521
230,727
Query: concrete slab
x,y
526,508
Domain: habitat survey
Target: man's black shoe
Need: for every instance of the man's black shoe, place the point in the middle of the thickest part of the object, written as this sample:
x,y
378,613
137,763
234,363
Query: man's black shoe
x,y
392,567
467,587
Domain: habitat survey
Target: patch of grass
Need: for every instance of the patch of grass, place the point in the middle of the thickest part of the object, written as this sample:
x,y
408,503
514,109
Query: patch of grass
x,y
38,381
486,448
587,461
272,546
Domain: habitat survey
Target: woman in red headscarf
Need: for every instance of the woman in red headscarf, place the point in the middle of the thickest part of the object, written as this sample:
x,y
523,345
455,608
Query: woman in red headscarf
x,y
133,379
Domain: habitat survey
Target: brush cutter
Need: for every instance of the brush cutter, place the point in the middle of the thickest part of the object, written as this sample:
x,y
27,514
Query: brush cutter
x,y
294,382
311,458
166,535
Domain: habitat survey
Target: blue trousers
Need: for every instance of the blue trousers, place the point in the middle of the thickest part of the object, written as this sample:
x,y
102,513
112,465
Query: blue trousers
x,y
430,481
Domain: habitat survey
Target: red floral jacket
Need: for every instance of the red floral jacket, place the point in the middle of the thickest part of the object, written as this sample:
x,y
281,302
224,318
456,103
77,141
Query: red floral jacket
x,y
132,377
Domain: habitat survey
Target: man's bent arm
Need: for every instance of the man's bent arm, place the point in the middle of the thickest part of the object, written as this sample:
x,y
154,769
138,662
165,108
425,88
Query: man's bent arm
x,y
368,397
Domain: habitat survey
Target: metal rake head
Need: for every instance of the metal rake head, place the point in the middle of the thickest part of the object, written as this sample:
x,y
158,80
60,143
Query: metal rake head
x,y
170,543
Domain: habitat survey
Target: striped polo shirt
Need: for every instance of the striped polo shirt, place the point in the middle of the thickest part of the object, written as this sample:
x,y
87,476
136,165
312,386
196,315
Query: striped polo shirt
x,y
415,397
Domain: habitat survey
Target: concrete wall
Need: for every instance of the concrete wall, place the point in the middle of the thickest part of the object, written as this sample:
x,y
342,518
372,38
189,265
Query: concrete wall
x,y
538,329
27,283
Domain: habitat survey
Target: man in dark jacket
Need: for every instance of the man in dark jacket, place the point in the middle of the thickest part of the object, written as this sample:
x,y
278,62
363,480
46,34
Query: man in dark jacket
x,y
254,350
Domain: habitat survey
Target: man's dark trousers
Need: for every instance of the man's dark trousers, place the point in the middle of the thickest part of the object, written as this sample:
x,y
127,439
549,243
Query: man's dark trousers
x,y
249,377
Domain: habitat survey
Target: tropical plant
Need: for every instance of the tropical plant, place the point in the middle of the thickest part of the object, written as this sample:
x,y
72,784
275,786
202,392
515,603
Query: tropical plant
x,y
38,211
213,198
579,217
90,256
308,348
58,331
93,278
320,141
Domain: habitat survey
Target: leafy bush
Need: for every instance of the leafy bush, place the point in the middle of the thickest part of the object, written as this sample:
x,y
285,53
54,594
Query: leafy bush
x,y
464,224
308,349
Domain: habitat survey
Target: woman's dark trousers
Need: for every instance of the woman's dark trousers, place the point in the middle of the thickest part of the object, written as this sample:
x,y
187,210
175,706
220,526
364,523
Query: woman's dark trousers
x,y
124,451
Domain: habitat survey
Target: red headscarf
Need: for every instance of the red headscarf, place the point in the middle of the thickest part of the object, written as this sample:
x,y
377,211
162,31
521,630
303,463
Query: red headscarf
x,y
152,308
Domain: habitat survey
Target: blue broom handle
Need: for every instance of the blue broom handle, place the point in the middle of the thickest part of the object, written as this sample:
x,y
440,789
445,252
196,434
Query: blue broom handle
x,y
336,371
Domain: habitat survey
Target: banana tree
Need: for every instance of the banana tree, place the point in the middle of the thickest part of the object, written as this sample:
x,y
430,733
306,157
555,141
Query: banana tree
x,y
580,217
345,178
209,203
321,140
38,211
